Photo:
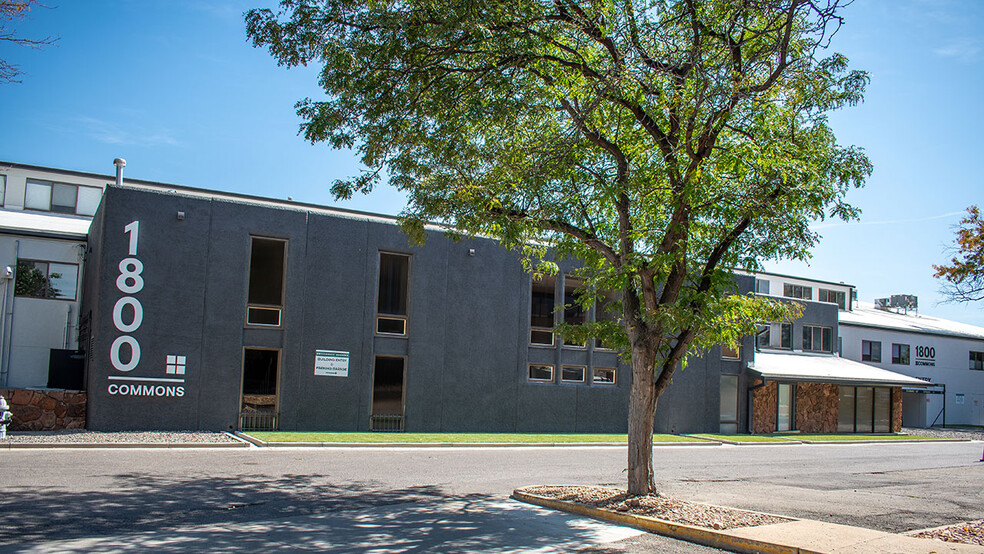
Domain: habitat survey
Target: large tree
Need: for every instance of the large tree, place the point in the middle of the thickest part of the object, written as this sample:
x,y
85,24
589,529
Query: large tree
x,y
964,276
664,143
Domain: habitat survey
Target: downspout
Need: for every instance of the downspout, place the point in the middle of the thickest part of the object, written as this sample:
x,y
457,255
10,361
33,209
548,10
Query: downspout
x,y
7,330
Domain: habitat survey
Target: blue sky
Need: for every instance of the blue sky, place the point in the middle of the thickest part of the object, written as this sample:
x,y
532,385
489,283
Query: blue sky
x,y
175,88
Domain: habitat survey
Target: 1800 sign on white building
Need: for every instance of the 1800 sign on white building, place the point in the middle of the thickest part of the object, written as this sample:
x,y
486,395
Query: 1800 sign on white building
x,y
128,316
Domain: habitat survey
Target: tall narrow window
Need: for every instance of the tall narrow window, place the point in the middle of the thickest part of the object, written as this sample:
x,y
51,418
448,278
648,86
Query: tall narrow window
x,y
729,404
3,188
542,311
394,293
786,335
573,311
265,297
763,338
784,407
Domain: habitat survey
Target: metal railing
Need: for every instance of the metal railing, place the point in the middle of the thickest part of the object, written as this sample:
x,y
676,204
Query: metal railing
x,y
386,423
258,421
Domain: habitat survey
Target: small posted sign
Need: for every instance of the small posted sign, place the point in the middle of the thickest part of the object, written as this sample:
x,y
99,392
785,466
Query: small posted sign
x,y
332,363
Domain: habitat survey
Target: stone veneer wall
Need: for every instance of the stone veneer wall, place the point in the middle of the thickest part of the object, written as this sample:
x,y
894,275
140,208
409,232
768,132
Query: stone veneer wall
x,y
45,410
816,407
764,408
896,409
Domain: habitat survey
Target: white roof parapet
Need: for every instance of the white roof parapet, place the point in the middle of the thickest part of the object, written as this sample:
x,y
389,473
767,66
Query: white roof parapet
x,y
826,368
44,224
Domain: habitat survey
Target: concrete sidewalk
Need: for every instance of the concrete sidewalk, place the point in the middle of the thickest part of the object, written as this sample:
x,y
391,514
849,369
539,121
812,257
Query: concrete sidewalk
x,y
799,536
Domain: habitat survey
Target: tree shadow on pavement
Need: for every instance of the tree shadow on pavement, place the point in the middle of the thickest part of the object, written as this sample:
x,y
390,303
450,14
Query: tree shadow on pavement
x,y
250,513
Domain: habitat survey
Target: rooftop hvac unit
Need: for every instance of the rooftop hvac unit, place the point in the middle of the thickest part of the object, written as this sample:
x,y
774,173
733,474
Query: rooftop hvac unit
x,y
882,303
905,301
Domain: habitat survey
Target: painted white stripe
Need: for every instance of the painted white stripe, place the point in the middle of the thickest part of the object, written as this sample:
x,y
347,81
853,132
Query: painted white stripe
x,y
147,379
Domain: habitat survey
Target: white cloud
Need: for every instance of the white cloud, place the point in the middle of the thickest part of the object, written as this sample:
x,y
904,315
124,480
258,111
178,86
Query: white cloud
x,y
819,226
112,133
961,49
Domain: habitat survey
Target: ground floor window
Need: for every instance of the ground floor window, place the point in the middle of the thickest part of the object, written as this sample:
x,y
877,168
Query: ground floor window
x,y
729,404
258,409
388,376
541,372
572,374
603,376
784,407
864,410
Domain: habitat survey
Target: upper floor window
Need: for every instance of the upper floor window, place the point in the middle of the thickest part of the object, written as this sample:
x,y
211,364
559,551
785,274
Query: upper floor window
x,y
265,291
977,360
394,293
834,297
37,279
542,311
870,351
900,354
62,198
762,286
797,291
730,352
574,313
3,188
817,339
775,335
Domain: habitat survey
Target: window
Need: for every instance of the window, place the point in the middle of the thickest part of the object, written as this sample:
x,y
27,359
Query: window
x,y
864,409
265,296
542,311
786,335
572,374
37,279
730,352
767,335
870,351
540,372
729,404
817,339
840,346
797,291
784,407
900,354
61,197
977,360
603,376
3,188
394,285
607,308
573,311
834,297
762,286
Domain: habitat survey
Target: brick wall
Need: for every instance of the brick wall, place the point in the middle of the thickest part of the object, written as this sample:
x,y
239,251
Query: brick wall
x,y
816,407
896,409
45,410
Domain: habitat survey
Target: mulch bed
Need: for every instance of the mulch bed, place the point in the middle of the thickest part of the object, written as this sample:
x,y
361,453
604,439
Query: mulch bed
x,y
971,532
657,506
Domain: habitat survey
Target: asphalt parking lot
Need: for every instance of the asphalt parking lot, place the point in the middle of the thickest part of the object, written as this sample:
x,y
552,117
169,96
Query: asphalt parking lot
x,y
450,498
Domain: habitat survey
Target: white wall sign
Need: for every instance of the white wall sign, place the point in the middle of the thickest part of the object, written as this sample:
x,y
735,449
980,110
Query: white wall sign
x,y
960,398
332,363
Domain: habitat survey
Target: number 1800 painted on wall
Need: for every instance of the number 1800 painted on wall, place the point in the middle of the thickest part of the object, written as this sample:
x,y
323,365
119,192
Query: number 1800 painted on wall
x,y
129,282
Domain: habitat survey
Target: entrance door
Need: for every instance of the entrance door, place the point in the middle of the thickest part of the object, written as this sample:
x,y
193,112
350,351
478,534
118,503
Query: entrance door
x,y
387,394
261,371
977,409
784,419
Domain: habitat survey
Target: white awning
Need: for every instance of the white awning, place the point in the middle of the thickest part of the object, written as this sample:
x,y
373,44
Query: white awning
x,y
826,368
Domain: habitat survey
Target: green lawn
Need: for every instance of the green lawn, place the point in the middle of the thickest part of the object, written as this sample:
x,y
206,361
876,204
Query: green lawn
x,y
742,438
860,437
487,438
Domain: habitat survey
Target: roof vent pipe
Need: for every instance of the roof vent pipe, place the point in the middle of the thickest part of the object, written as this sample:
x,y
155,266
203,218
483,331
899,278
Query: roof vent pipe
x,y
120,163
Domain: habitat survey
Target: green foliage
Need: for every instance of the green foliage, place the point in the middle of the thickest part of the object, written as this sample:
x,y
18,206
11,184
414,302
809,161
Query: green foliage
x,y
31,281
664,143
964,276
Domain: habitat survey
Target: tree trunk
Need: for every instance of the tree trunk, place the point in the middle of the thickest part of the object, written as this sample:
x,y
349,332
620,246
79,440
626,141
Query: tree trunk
x,y
642,410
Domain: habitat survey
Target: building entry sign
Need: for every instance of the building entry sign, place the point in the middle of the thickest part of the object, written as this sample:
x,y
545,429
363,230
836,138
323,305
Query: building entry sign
x,y
331,363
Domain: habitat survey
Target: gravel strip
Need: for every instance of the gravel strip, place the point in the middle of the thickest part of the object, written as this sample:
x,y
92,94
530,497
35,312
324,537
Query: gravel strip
x,y
971,532
667,509
972,433
123,437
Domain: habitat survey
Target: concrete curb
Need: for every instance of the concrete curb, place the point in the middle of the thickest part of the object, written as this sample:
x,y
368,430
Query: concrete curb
x,y
466,444
118,445
896,441
689,533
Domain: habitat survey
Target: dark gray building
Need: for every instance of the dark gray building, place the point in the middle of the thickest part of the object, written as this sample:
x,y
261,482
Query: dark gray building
x,y
206,310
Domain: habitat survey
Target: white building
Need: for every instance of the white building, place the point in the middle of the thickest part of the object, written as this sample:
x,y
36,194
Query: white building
x,y
44,218
945,353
